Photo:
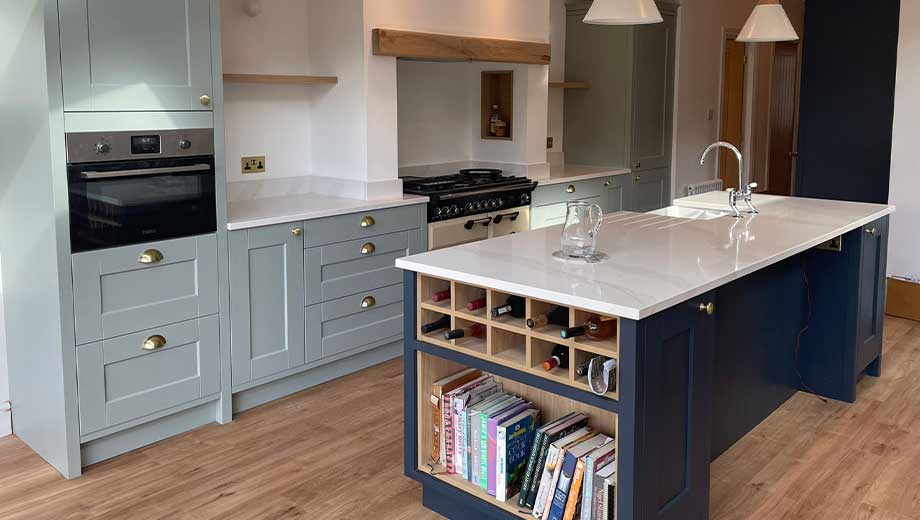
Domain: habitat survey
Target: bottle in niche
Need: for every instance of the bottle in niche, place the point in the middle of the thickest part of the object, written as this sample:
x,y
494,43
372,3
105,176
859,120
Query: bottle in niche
x,y
473,331
515,306
493,119
595,327
476,304
442,323
441,296
558,316
559,359
582,369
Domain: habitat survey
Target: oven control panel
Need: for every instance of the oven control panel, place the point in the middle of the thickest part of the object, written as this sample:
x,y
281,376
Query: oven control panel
x,y
459,206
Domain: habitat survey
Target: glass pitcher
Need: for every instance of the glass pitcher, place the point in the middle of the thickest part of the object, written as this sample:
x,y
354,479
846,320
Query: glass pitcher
x,y
582,222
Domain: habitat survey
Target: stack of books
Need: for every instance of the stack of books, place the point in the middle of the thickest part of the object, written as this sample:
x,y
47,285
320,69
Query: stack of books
x,y
564,470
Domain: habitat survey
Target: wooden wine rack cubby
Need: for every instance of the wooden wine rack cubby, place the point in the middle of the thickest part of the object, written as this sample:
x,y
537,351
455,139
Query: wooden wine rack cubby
x,y
508,341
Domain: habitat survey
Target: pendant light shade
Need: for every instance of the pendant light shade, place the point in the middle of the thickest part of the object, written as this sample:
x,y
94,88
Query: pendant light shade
x,y
768,23
623,12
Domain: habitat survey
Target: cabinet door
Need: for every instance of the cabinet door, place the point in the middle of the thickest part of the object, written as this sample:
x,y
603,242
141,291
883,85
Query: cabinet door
x,y
266,301
871,302
675,364
555,214
131,55
653,93
619,192
650,190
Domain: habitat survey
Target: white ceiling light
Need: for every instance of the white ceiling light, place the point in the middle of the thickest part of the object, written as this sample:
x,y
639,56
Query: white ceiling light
x,y
623,12
768,23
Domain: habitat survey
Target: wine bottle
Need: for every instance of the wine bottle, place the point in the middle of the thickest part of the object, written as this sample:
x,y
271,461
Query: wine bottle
x,y
595,327
559,358
476,304
440,296
582,368
515,306
558,316
441,323
473,331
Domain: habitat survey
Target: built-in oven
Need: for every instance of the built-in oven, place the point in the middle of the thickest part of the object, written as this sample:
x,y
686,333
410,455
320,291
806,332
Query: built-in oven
x,y
456,231
134,187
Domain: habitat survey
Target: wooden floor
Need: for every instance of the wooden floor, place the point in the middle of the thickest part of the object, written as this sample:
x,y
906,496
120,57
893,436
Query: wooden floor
x,y
335,452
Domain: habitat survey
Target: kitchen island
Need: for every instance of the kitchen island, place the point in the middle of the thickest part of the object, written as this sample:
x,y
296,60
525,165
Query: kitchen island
x,y
718,322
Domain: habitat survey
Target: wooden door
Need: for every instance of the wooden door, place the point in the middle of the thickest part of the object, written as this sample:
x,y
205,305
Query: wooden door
x,y
267,301
783,115
732,120
133,55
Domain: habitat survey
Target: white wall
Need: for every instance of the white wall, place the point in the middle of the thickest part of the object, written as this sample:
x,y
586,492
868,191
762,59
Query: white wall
x,y
904,249
5,423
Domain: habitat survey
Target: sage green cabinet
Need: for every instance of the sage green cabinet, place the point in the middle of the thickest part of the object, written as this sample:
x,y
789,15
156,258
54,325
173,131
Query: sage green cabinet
x,y
133,55
266,301
650,190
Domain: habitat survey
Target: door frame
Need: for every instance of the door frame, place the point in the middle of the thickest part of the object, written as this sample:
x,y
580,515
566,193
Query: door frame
x,y
795,120
747,126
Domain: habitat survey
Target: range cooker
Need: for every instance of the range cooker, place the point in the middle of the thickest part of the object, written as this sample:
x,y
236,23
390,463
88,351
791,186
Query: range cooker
x,y
474,204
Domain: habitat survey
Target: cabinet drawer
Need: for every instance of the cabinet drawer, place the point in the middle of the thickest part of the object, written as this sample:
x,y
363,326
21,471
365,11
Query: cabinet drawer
x,y
557,193
116,292
345,268
119,381
353,322
362,225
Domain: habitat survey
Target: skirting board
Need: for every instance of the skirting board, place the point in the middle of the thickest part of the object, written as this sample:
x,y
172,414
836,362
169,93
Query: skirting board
x,y
903,299
252,397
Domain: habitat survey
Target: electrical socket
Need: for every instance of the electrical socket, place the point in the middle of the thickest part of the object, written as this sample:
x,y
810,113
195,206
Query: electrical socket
x,y
255,164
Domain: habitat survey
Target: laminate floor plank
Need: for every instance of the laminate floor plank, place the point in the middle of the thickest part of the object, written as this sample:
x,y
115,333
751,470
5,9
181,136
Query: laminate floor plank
x,y
335,452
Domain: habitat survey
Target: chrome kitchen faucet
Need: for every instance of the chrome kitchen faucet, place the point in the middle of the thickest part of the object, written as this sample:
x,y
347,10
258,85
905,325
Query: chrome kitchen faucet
x,y
734,195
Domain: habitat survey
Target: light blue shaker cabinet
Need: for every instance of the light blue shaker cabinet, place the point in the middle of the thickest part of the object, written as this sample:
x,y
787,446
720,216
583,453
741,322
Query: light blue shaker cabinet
x,y
266,301
135,56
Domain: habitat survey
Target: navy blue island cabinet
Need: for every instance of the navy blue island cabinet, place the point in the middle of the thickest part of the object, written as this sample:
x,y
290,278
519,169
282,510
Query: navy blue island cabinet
x,y
691,380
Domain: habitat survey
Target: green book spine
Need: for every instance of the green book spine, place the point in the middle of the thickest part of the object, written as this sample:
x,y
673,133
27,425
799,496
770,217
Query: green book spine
x,y
535,449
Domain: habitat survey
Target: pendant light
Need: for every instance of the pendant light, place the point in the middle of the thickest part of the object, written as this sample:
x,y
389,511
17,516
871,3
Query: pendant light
x,y
768,23
623,12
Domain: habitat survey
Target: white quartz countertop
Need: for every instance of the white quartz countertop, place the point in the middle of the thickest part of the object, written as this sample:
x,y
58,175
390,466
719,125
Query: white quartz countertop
x,y
655,262
291,208
560,173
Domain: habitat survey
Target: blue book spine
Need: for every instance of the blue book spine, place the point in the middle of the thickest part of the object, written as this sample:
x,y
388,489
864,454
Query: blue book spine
x,y
561,494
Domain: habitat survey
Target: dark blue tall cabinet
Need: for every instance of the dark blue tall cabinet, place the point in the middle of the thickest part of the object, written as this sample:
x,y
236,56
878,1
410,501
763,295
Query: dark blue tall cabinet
x,y
847,99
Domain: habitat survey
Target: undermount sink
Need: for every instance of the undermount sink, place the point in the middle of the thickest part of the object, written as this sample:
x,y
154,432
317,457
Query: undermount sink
x,y
691,213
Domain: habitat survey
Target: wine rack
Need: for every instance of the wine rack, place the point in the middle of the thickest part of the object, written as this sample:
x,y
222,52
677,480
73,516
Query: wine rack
x,y
507,340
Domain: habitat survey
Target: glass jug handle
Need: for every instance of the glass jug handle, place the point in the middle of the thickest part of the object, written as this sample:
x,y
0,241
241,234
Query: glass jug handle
x,y
598,217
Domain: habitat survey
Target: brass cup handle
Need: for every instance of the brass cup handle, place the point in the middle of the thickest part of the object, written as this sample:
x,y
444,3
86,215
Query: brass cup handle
x,y
368,302
708,308
570,188
637,178
872,231
368,221
154,342
205,99
368,249
297,231
150,256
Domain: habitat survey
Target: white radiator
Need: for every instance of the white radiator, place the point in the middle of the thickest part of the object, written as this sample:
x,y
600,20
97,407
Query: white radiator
x,y
704,187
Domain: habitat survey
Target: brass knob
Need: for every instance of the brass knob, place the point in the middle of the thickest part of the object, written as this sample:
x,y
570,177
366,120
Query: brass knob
x,y
637,178
154,342
368,249
872,231
368,302
708,308
368,221
150,256
297,231
205,99
570,188
637,165
606,184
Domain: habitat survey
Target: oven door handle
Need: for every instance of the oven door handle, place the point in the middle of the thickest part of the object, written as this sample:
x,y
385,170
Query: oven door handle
x,y
510,216
91,175
470,223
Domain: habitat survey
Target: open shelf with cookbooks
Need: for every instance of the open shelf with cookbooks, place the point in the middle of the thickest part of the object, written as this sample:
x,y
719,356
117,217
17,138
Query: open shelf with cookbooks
x,y
546,339
526,450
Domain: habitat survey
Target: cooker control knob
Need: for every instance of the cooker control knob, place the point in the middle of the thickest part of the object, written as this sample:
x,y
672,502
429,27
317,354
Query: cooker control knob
x,y
437,212
469,206
185,144
501,202
477,205
103,147
454,210
525,199
493,203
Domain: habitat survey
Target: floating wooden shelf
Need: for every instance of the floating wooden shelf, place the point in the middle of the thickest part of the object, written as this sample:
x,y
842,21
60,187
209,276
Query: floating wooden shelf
x,y
280,79
444,47
570,84
507,341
